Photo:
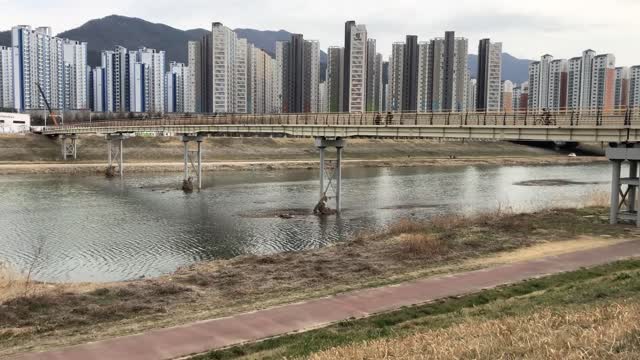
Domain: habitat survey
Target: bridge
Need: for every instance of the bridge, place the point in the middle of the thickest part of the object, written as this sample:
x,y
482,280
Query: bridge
x,y
619,128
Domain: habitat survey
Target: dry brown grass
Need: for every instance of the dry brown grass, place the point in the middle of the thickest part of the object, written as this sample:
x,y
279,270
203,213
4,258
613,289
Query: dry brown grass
x,y
598,198
407,251
598,332
10,282
421,245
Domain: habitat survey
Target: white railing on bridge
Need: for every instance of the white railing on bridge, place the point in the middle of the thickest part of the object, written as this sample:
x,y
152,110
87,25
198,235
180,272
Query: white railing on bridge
x,y
585,118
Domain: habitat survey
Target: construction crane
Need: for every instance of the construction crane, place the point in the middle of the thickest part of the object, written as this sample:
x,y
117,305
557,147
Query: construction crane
x,y
52,115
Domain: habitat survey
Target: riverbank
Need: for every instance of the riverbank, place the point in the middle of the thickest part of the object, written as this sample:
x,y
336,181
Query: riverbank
x,y
40,154
9,168
42,316
592,311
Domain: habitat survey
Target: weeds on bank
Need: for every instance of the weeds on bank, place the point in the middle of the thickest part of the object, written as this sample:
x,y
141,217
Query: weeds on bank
x,y
596,308
245,283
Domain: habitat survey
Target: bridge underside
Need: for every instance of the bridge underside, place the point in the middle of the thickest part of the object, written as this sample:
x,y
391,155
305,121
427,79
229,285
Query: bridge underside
x,y
525,133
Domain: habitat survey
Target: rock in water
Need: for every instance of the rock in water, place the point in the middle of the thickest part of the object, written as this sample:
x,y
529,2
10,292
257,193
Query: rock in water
x,y
110,171
187,185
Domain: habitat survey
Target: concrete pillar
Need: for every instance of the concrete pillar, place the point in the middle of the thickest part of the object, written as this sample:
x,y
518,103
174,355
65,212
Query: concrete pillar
x,y
338,177
199,164
64,147
109,152
321,171
121,157
615,188
186,159
633,173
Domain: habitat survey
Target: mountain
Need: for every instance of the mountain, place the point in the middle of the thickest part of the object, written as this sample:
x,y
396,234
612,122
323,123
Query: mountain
x,y
514,69
132,33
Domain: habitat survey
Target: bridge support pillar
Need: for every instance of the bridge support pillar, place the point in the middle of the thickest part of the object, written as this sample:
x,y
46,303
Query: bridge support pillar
x,y
69,148
322,143
624,190
116,155
192,161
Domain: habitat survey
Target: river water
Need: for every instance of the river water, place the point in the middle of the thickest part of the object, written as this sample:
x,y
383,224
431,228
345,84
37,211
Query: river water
x,y
93,229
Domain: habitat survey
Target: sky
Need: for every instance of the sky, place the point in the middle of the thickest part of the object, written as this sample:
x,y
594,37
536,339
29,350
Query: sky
x,y
527,29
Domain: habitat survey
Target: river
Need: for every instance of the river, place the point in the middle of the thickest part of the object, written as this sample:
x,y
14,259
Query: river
x,y
72,228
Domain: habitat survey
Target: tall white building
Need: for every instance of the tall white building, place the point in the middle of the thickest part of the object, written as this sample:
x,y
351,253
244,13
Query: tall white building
x,y
435,92
324,103
374,77
311,75
110,79
458,87
539,83
75,74
38,59
396,67
177,87
194,85
6,77
602,92
574,82
97,89
586,72
224,52
262,79
278,76
358,69
150,65
634,92
241,65
489,80
472,87
424,77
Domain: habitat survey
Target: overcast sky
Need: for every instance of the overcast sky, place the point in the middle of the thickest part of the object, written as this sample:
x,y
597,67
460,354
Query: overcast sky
x,y
527,29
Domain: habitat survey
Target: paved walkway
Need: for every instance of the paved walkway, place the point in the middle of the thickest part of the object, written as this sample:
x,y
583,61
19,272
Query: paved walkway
x,y
205,335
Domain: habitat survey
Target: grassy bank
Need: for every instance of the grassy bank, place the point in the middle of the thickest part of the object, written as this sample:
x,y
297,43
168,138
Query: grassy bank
x,y
50,315
590,313
91,148
39,154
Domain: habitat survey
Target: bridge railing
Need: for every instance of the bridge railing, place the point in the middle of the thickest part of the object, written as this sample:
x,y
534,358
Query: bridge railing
x,y
585,118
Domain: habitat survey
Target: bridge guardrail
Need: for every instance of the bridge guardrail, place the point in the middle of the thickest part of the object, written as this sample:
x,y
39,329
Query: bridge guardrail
x,y
589,118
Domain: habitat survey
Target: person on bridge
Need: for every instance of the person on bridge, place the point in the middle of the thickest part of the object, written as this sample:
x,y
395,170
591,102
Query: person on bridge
x,y
546,116
378,118
389,118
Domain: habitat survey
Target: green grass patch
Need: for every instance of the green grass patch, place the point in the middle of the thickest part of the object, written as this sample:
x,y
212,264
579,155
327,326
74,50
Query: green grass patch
x,y
602,284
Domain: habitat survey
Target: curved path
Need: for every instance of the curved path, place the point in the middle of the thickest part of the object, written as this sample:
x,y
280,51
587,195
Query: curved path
x,y
210,334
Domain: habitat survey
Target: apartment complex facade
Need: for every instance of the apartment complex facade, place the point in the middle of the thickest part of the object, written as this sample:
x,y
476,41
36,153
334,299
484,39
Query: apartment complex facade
x,y
58,66
587,82
489,80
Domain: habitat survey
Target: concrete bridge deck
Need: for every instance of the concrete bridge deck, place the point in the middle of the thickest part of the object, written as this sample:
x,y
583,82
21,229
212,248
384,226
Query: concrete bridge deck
x,y
616,126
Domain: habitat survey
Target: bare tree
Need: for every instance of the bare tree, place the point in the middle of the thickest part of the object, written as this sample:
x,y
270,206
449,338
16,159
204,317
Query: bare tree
x,y
39,257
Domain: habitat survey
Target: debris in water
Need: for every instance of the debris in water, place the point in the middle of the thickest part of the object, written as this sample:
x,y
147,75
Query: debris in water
x,y
110,171
187,185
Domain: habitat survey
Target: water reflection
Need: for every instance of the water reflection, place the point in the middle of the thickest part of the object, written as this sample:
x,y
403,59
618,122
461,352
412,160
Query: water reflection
x,y
101,230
